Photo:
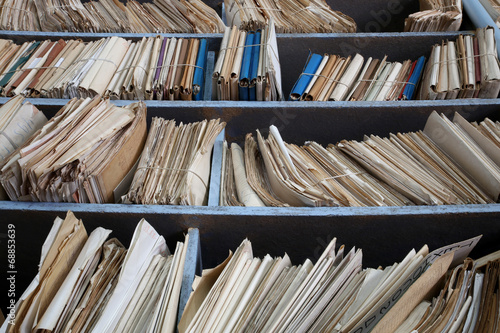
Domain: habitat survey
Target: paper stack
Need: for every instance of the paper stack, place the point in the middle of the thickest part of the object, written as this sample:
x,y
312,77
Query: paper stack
x,y
151,68
18,122
446,163
76,290
336,78
161,16
175,165
228,194
436,15
466,302
467,68
80,155
248,66
249,294
290,16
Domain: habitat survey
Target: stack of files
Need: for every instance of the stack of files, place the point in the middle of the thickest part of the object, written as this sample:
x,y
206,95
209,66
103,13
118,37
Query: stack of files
x,y
175,165
337,78
282,174
467,301
151,68
449,162
228,195
476,153
248,66
80,155
112,16
443,164
249,294
290,16
436,15
19,120
243,176
467,68
88,284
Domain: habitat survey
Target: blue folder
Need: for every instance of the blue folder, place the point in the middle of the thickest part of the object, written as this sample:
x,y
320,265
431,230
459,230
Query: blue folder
x,y
199,71
304,79
411,86
254,65
245,67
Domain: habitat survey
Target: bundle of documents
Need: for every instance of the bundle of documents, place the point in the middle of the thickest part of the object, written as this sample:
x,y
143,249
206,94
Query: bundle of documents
x,y
336,78
249,294
248,66
290,16
151,68
467,302
78,290
80,155
228,194
282,174
19,120
175,165
436,15
161,16
446,163
467,68
245,176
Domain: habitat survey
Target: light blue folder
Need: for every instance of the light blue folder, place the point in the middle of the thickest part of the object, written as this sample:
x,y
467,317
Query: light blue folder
x,y
304,79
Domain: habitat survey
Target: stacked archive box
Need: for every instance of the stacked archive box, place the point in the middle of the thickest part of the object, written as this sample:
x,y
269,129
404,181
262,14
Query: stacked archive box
x,y
384,234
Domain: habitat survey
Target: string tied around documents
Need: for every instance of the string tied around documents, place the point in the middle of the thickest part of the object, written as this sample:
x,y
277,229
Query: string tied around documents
x,y
156,67
242,8
309,8
175,169
243,46
338,176
96,59
19,9
29,68
271,9
394,81
446,8
329,79
430,66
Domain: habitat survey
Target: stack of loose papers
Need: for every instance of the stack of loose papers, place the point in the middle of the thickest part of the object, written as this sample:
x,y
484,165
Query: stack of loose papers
x,y
436,15
337,78
467,302
290,16
151,68
249,294
18,122
161,16
467,68
449,162
79,290
80,155
175,165
248,66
